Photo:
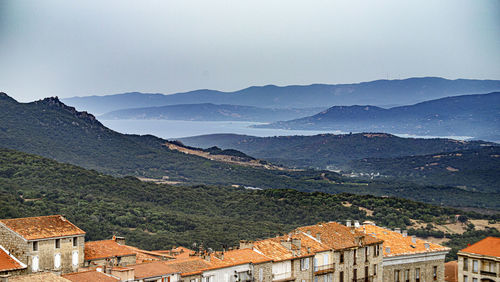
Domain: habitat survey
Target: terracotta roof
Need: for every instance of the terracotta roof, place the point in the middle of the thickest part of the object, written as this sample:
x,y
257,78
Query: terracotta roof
x,y
90,276
276,250
152,269
178,252
451,271
38,277
489,246
105,249
338,236
399,244
42,227
143,256
9,262
236,257
189,266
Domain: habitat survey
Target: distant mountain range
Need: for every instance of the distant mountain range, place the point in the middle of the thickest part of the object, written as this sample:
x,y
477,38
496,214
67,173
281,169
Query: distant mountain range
x,y
378,93
467,115
211,112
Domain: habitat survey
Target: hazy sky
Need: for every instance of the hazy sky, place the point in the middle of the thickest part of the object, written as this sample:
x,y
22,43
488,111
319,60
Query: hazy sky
x,y
69,48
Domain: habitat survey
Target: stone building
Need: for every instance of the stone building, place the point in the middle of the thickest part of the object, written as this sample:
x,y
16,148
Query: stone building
x,y
352,255
10,265
480,262
108,253
407,258
45,243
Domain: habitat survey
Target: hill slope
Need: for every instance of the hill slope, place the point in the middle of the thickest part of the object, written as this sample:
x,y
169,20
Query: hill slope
x,y
210,112
158,216
468,115
398,92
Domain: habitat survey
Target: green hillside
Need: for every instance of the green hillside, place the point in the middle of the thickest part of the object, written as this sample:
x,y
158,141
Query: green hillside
x,y
155,216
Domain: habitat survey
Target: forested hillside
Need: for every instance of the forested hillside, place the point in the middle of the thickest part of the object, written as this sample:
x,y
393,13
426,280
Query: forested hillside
x,y
155,216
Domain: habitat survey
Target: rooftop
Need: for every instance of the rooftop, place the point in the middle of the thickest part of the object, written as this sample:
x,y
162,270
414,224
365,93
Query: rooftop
x,y
90,276
489,246
399,244
9,262
152,269
42,227
284,247
338,237
106,249
38,277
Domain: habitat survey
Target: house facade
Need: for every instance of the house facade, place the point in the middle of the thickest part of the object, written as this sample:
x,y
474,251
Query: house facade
x,y
480,262
45,243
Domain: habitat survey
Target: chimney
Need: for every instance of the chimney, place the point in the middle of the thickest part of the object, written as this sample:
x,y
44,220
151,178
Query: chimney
x,y
119,240
318,236
296,242
398,230
405,233
4,278
427,246
348,223
356,223
413,239
388,250
245,244
286,244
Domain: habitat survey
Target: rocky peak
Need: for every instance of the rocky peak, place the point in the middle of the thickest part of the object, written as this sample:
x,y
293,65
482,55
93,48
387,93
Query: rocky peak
x,y
55,102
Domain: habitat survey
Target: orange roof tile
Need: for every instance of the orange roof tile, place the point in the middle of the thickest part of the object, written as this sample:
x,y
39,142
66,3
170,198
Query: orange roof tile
x,y
274,248
399,244
42,227
143,256
90,276
38,277
189,266
105,249
178,252
236,257
152,269
489,246
338,236
451,271
9,262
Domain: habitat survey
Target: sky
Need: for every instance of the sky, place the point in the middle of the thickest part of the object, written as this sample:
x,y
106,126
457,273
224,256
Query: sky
x,y
80,48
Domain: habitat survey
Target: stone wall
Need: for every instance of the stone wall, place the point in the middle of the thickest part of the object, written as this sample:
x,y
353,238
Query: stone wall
x,y
122,261
14,243
303,275
267,271
426,271
348,266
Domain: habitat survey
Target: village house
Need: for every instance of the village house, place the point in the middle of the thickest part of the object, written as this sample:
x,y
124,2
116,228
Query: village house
x,y
108,253
406,258
480,262
10,265
91,276
44,243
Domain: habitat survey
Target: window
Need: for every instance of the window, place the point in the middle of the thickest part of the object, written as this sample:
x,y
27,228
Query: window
x,y
325,259
466,279
329,278
75,241
315,264
74,258
474,279
35,246
57,261
355,257
355,274
435,272
342,257
366,273
376,250
341,276
407,275
58,243
34,264
367,253
396,276
304,264
466,264
374,270
261,274
417,274
475,266
316,279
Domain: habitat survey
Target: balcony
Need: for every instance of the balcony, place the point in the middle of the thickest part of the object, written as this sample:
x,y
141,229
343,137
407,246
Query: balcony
x,y
324,269
488,273
283,277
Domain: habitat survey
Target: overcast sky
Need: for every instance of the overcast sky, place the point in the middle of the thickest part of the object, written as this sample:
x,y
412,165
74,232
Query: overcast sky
x,y
79,48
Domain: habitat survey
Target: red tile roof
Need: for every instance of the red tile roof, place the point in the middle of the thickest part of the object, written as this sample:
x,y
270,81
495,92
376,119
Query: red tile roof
x,y
489,246
399,244
105,249
338,236
8,262
276,250
42,227
38,277
152,269
90,276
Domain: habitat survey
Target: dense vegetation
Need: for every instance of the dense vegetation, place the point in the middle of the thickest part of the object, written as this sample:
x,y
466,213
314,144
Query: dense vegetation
x,y
155,216
468,115
329,150
54,130
474,170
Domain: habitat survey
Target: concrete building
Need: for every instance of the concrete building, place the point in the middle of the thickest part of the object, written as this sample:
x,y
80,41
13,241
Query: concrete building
x,y
45,243
480,262
407,258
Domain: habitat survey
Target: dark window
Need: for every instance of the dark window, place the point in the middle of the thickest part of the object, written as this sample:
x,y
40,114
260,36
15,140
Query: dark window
x,y
366,274
466,264
417,274
355,274
367,253
435,272
407,275
75,241
341,276
354,257
396,276
342,257
35,246
58,243
374,270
